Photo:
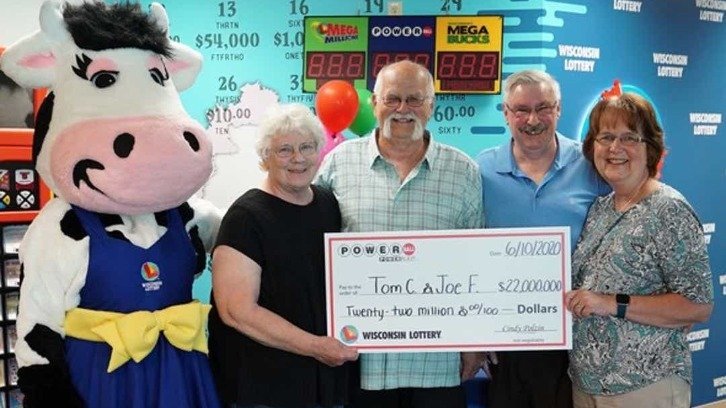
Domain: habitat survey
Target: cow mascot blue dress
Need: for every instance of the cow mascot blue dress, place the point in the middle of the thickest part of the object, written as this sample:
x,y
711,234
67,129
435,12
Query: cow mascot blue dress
x,y
106,316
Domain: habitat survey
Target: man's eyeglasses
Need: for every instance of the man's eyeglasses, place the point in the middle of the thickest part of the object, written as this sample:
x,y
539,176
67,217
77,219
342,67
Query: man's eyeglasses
x,y
627,139
412,101
286,151
541,111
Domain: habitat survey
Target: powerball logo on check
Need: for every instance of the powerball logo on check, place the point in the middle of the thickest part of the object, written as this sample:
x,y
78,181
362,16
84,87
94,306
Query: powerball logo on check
x,y
386,252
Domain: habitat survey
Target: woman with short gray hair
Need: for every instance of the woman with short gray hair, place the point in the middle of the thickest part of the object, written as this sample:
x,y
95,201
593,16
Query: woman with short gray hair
x,y
267,341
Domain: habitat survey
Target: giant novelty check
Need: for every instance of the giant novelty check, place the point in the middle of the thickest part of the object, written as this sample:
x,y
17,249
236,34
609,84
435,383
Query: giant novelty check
x,y
453,290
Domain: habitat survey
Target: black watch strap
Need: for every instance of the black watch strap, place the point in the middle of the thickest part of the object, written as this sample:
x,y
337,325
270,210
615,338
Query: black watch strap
x,y
622,301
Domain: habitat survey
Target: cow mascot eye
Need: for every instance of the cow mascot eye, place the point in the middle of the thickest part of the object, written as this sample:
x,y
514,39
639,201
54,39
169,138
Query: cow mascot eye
x,y
157,76
104,79
107,317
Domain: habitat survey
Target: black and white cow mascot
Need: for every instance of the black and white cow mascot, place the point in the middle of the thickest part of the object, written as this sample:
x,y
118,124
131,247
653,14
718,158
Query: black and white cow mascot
x,y
106,317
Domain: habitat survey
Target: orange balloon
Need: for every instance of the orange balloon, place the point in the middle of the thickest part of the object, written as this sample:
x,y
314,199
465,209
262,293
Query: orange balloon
x,y
336,105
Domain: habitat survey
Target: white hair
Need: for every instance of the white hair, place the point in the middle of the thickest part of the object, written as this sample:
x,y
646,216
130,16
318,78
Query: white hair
x,y
293,118
531,77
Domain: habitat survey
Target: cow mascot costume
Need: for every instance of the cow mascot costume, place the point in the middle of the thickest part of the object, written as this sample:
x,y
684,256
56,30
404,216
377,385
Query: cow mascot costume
x,y
106,317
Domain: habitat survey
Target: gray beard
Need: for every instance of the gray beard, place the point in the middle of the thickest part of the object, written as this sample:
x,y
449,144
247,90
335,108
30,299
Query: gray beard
x,y
418,129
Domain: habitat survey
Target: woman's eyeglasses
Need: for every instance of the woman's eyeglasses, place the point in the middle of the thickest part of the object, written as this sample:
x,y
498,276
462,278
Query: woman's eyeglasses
x,y
286,151
628,139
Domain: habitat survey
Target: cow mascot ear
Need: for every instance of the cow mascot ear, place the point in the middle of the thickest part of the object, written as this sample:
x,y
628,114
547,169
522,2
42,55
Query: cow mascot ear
x,y
31,62
106,316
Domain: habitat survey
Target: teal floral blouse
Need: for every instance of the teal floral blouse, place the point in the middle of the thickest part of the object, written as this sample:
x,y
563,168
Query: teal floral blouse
x,y
655,247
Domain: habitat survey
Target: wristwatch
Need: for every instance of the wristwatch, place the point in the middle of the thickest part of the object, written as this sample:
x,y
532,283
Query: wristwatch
x,y
623,301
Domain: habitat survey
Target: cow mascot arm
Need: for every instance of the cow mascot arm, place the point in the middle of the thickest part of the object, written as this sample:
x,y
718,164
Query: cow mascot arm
x,y
54,264
202,220
105,315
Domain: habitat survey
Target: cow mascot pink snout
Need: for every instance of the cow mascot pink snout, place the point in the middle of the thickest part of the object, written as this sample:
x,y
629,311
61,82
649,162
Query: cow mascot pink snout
x,y
106,316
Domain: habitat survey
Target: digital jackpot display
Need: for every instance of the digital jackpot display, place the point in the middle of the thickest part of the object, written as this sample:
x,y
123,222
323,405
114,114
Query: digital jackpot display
x,y
463,53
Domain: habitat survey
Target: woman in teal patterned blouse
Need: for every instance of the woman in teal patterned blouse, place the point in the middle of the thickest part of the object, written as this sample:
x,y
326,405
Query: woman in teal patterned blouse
x,y
640,271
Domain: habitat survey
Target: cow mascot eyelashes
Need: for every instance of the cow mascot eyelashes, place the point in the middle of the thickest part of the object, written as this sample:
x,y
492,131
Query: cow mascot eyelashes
x,y
106,317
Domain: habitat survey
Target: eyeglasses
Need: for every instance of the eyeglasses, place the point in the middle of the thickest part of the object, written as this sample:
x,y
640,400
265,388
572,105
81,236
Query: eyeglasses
x,y
627,139
286,151
542,111
412,101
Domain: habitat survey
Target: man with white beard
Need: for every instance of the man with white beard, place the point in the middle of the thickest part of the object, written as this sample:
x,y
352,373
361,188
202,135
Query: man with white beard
x,y
538,178
400,179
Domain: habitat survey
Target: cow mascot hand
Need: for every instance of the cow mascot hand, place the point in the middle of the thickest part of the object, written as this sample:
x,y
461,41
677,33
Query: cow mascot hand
x,y
106,317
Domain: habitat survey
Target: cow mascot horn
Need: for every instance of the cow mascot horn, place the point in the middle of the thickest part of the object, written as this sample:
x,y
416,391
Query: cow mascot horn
x,y
106,316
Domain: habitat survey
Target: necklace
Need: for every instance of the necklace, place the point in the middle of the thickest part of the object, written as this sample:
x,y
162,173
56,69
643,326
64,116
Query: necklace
x,y
634,197
594,281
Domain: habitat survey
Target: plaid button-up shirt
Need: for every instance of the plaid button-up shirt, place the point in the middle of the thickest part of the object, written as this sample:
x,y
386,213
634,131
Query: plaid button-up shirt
x,y
443,191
